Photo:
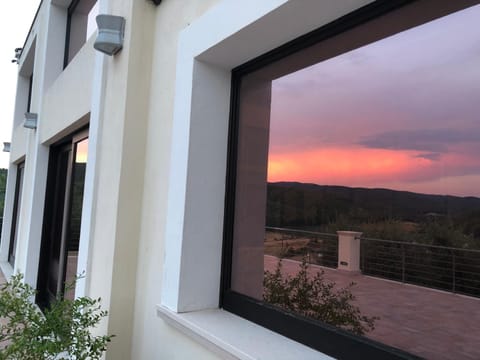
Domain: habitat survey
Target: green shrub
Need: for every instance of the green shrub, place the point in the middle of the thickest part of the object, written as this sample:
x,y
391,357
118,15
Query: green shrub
x,y
316,298
61,332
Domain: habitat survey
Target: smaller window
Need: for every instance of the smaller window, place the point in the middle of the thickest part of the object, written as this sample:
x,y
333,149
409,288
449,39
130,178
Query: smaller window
x,y
80,26
24,98
30,84
62,219
16,213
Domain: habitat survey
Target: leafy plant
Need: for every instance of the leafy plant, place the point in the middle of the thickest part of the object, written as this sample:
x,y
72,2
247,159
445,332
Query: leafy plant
x,y
317,298
61,332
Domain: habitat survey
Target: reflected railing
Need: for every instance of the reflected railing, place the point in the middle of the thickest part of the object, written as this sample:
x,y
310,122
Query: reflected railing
x,y
319,248
451,269
445,268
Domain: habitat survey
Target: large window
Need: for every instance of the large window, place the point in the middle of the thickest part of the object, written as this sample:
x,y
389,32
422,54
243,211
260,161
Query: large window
x,y
80,26
354,158
63,214
16,213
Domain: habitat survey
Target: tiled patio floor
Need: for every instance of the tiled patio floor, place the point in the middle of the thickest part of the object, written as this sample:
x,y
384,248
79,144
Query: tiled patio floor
x,y
433,324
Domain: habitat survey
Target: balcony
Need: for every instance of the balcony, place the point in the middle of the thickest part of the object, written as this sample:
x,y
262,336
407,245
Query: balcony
x,y
427,297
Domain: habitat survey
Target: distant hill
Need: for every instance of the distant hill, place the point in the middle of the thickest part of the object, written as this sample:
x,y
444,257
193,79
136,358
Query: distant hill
x,y
301,204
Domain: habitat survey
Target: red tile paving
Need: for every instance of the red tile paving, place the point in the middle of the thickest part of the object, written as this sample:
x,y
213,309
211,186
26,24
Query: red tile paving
x,y
429,323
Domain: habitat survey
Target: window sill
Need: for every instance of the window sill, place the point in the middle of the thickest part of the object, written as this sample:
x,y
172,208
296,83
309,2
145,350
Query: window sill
x,y
232,337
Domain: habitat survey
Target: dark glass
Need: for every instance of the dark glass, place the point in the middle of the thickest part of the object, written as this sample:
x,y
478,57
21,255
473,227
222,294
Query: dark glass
x,y
359,156
62,222
81,24
16,213
75,219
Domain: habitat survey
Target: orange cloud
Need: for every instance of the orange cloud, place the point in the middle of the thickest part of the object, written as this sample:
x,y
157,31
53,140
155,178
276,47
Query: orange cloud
x,y
344,165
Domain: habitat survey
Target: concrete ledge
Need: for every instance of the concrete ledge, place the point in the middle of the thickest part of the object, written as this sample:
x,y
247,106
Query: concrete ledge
x,y
233,337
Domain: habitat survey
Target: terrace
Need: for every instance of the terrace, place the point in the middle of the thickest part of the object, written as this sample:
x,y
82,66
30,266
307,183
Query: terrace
x,y
423,320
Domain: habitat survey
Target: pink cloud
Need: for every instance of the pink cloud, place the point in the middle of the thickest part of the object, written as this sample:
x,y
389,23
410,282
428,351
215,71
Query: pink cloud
x,y
357,166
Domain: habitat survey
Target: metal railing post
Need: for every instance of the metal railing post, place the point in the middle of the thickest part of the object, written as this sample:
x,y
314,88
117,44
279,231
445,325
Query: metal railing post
x,y
403,262
453,271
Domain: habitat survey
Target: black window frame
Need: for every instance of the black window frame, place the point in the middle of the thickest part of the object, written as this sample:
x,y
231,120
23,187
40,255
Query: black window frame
x,y
16,212
70,12
58,201
30,89
322,337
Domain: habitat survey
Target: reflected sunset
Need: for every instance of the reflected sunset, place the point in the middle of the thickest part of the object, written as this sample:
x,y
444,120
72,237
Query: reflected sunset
x,y
81,154
338,165
341,122
371,157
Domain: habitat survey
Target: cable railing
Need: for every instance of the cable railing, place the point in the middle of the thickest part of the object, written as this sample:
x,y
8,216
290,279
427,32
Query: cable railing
x,y
451,269
446,268
319,248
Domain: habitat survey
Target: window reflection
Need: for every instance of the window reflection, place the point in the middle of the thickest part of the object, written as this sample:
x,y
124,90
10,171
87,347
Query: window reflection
x,y
365,162
78,184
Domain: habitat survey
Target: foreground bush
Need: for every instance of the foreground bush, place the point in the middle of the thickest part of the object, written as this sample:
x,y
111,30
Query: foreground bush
x,y
61,332
316,298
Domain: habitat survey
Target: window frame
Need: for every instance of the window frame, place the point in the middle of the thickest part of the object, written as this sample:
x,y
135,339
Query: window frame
x,y
19,179
70,12
55,200
30,89
322,337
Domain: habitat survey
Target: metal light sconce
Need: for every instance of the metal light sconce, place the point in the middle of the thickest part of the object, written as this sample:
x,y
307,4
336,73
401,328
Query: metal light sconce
x,y
6,147
18,53
31,120
110,34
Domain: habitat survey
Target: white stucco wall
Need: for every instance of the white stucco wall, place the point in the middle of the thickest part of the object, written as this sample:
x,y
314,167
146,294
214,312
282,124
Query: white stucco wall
x,y
153,339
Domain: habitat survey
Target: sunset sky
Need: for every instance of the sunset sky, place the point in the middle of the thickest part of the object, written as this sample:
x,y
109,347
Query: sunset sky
x,y
402,113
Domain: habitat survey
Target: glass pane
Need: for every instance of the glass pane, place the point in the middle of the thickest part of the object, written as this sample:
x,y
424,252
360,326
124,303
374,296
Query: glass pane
x,y
78,183
55,231
359,163
81,25
16,214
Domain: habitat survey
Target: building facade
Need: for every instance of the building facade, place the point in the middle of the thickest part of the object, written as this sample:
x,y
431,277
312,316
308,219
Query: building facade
x,y
125,173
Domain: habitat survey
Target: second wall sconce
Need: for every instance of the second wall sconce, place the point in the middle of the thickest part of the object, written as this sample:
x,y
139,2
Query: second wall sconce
x,y
110,34
31,120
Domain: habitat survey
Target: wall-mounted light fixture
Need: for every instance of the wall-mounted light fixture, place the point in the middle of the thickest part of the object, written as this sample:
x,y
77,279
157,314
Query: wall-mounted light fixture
x,y
157,2
110,34
31,120
6,147
18,53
